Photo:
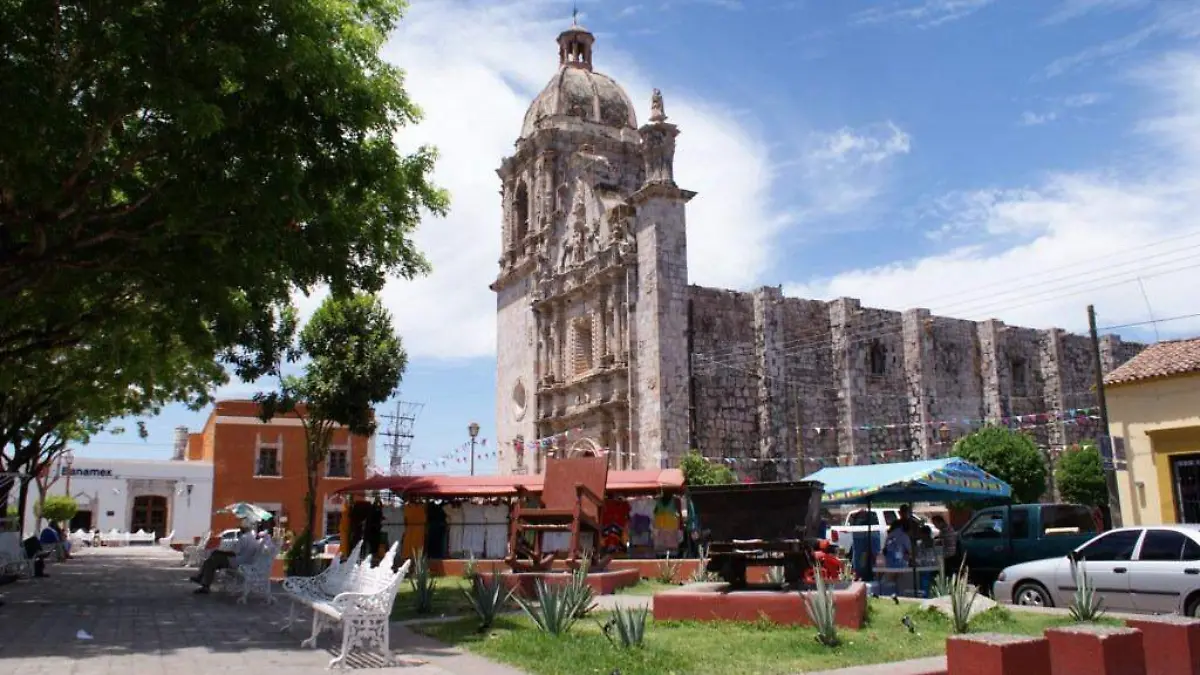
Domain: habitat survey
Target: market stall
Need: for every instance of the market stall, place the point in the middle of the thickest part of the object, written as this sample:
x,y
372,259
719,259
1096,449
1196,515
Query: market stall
x,y
937,480
467,517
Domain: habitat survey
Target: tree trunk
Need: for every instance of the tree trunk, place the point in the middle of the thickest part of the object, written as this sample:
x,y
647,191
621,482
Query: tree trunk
x,y
22,502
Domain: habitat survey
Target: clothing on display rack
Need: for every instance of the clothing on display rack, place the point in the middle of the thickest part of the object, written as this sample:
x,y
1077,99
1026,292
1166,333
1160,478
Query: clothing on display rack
x,y
414,530
435,531
666,524
455,519
393,524
640,520
473,530
495,517
614,521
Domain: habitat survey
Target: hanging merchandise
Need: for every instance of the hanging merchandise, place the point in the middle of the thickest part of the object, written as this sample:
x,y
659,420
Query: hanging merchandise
x,y
666,524
455,518
614,520
414,529
474,532
435,530
640,520
495,517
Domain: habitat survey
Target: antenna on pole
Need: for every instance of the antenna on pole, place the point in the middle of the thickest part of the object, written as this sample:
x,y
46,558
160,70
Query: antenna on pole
x,y
399,435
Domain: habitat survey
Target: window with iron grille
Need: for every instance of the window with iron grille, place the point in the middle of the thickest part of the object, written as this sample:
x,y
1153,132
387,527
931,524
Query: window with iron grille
x,y
268,462
339,464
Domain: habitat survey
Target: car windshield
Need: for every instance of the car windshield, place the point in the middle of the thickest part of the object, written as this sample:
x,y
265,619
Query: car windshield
x,y
862,518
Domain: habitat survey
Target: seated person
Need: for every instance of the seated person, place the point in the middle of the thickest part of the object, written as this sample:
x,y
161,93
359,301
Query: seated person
x,y
33,550
247,546
52,542
898,547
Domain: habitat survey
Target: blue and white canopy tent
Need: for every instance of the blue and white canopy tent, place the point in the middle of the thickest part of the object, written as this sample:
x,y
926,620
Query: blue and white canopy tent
x,y
934,480
931,480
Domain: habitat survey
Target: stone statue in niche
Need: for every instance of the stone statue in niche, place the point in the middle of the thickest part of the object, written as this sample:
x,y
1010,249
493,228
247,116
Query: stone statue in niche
x,y
657,112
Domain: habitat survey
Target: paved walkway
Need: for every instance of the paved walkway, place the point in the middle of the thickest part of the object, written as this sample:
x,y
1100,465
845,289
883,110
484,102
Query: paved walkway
x,y
141,614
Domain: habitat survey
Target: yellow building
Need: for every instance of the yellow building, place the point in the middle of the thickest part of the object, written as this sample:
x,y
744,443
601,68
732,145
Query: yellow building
x,y
1154,405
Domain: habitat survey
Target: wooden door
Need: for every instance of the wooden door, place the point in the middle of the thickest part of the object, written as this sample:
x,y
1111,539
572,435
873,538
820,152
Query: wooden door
x,y
149,514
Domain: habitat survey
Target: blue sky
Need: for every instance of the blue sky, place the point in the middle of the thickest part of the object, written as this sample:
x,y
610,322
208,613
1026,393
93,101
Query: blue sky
x,y
1015,159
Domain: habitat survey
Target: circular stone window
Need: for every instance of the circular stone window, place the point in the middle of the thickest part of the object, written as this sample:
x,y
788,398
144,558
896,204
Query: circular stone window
x,y
518,401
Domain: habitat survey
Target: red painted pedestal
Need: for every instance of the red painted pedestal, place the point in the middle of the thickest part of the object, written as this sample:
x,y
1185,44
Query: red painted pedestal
x,y
603,583
714,602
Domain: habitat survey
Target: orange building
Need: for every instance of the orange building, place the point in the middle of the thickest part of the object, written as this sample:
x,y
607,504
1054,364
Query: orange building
x,y
263,463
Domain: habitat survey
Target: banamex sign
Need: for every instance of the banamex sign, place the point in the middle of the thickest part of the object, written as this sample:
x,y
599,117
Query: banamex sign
x,y
87,473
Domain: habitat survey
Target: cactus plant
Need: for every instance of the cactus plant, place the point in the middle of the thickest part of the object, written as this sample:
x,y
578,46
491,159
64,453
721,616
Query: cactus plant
x,y
1085,605
776,576
668,570
556,608
423,583
629,624
821,609
582,595
962,599
487,597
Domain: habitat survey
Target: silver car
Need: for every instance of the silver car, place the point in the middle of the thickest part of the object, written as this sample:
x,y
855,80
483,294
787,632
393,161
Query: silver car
x,y
1153,570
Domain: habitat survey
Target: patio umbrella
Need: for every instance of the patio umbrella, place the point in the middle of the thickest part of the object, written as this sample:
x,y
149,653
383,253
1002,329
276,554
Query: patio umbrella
x,y
246,511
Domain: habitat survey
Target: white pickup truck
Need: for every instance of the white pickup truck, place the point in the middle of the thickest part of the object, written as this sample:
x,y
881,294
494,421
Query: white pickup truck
x,y
879,521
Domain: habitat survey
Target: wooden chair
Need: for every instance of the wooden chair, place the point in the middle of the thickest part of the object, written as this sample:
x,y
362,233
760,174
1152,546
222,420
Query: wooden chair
x,y
572,499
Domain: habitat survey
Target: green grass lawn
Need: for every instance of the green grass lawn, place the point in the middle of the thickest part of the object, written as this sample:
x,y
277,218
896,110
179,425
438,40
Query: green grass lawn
x,y
694,648
448,600
646,587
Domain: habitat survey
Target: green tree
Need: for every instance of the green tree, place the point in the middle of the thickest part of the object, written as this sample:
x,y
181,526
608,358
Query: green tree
x,y
57,509
186,168
1008,455
699,471
1080,476
355,360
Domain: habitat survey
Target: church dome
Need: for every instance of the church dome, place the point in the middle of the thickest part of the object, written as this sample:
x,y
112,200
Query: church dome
x,y
577,90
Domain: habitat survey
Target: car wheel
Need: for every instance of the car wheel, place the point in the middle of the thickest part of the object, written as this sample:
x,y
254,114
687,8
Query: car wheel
x,y
1193,606
1032,594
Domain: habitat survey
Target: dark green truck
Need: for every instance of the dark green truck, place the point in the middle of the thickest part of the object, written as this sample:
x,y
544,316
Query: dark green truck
x,y
999,536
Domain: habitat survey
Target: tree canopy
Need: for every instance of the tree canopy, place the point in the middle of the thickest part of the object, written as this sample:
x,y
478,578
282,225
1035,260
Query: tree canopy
x,y
699,471
1079,476
57,508
354,360
186,168
1008,455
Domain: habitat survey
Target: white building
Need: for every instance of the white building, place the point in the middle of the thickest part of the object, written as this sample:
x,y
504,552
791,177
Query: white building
x,y
160,496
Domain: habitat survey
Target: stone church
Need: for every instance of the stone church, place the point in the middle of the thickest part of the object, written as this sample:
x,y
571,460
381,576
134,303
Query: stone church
x,y
604,348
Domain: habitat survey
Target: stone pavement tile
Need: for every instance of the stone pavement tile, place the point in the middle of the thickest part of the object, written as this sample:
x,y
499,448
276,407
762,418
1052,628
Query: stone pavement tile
x,y
138,607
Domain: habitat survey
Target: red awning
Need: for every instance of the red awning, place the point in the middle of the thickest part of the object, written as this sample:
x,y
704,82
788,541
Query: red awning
x,y
628,482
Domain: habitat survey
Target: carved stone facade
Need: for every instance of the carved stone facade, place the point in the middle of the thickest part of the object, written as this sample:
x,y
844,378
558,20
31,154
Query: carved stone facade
x,y
603,346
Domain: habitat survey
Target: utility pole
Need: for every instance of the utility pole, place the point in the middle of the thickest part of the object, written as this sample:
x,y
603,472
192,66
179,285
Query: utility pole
x,y
1110,468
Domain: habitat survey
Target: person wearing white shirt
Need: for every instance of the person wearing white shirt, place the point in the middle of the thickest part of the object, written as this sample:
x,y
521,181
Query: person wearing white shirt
x,y
247,547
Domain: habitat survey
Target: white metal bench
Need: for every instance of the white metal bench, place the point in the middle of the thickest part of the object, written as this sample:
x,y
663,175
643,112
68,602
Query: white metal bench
x,y
166,541
194,555
253,576
353,594
140,537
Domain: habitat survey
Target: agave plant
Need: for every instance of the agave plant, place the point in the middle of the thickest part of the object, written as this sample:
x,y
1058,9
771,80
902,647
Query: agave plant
x,y
668,570
629,624
1085,605
940,586
962,598
487,598
423,583
555,611
822,611
470,568
701,573
582,595
776,576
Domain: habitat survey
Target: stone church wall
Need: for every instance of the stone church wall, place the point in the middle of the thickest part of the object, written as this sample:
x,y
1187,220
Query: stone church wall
x,y
790,382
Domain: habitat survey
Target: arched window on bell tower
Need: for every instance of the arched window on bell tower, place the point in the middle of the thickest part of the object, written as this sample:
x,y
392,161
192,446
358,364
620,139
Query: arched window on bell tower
x,y
520,215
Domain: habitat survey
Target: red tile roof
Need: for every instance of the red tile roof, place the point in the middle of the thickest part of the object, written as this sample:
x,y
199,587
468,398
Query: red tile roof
x,y
1164,359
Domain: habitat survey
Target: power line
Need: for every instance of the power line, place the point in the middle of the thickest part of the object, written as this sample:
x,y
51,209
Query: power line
x,y
1181,317
399,435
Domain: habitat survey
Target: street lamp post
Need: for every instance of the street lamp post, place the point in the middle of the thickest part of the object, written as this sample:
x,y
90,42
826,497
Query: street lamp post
x,y
69,460
473,430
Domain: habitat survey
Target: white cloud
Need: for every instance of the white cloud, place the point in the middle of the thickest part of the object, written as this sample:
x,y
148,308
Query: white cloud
x,y
1037,255
1032,119
1074,9
923,13
1180,20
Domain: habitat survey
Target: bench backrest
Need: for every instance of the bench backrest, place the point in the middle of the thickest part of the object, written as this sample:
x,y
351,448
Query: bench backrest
x,y
265,556
558,491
